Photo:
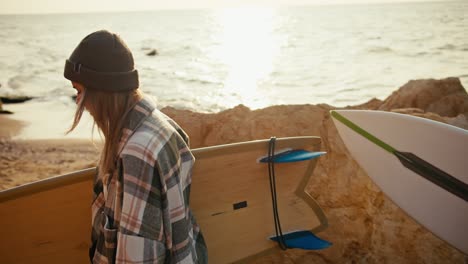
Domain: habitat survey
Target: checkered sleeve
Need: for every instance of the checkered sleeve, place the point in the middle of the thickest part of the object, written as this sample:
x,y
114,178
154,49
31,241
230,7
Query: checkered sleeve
x,y
174,164
140,238
155,223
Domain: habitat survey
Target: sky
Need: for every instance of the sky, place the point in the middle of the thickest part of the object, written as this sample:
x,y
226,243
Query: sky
x,y
84,6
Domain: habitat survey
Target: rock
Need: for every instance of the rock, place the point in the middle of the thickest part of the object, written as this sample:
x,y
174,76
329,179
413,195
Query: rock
x,y
364,225
4,111
152,52
15,99
372,104
12,100
458,121
420,113
241,124
446,97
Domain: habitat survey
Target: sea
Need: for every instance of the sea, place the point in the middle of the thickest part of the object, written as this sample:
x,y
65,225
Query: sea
x,y
209,60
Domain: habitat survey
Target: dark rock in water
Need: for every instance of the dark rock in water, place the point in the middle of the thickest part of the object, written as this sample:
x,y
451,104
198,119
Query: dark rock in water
x,y
2,112
152,52
15,100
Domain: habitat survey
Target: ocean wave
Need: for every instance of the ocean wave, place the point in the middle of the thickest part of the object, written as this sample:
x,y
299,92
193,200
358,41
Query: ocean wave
x,y
200,81
452,47
447,47
420,53
379,49
47,55
351,89
16,82
287,84
184,77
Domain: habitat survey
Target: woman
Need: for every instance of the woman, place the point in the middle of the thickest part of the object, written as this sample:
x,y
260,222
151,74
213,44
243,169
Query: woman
x,y
140,212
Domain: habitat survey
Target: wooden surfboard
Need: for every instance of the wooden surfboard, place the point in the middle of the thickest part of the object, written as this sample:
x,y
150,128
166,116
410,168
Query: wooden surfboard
x,y
49,221
435,199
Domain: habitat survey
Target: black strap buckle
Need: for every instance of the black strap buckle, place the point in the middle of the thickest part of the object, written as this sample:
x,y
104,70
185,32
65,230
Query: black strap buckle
x,y
77,67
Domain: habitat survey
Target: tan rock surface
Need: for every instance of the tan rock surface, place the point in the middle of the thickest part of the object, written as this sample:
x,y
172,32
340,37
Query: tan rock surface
x,y
446,97
364,225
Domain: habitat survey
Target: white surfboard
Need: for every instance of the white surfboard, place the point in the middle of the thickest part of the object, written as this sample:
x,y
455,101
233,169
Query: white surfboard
x,y
442,212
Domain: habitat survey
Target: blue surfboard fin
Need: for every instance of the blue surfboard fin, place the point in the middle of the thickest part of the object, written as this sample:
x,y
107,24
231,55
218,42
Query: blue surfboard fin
x,y
303,240
293,156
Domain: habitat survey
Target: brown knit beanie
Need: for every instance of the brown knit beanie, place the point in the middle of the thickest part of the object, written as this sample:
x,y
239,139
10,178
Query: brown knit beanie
x,y
102,61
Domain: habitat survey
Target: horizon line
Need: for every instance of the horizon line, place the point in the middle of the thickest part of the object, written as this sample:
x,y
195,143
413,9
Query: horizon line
x,y
253,6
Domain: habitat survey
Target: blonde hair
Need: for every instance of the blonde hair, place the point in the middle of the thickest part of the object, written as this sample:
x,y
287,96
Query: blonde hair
x,y
109,111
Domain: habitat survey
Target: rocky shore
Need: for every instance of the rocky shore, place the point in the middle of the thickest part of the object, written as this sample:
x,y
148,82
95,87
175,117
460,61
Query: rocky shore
x,y
364,226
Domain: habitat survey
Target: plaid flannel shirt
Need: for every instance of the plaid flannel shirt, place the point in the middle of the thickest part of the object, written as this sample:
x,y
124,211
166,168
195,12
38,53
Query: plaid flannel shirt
x,y
143,215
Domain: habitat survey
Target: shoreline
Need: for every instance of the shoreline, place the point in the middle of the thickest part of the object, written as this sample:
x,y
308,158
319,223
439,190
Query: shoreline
x,y
45,120
38,119
10,126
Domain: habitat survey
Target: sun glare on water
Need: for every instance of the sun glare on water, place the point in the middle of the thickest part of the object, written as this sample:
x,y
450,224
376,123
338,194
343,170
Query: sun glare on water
x,y
247,48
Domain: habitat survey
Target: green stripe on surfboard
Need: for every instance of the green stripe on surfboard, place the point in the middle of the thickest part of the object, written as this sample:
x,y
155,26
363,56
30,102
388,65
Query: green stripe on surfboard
x,y
413,162
362,132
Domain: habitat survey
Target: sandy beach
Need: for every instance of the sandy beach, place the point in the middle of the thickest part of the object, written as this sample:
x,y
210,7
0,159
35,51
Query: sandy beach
x,y
364,225
25,161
